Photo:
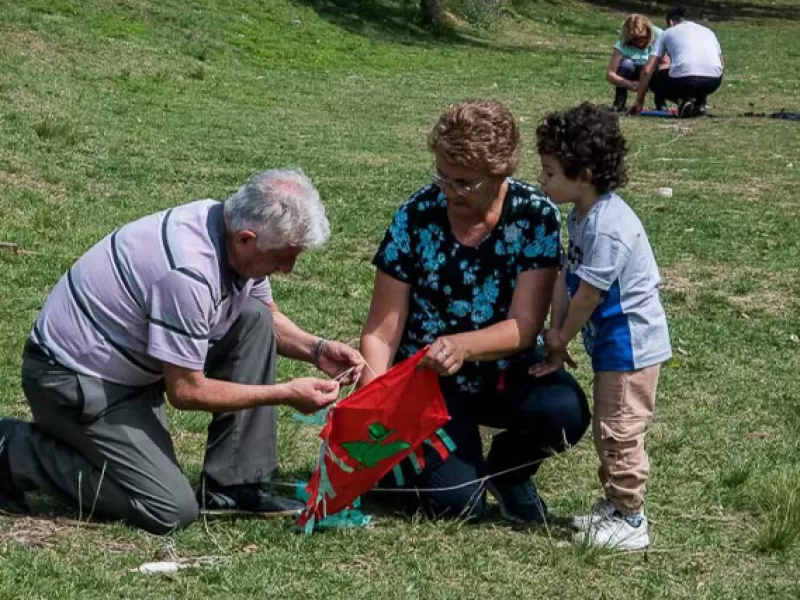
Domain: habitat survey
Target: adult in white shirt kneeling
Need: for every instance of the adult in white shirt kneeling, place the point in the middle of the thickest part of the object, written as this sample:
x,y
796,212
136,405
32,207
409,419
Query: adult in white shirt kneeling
x,y
696,66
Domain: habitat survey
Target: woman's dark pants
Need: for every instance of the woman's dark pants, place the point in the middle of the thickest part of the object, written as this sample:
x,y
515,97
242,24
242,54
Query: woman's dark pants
x,y
538,417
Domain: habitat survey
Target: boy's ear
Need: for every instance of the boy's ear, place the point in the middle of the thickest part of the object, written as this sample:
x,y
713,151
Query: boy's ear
x,y
585,176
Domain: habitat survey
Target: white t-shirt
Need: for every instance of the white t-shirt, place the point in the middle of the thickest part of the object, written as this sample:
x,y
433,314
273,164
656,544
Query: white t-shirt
x,y
692,49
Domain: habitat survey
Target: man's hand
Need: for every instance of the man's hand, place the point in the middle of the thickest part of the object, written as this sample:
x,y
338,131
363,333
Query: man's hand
x,y
336,358
633,86
309,394
445,356
636,108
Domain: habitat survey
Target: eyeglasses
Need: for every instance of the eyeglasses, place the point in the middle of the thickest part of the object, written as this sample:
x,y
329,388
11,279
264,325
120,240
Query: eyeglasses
x,y
459,186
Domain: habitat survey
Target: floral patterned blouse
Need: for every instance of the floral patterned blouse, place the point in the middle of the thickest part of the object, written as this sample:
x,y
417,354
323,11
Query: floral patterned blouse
x,y
456,288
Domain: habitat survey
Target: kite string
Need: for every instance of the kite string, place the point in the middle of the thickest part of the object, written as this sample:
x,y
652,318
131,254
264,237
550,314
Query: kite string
x,y
417,490
344,374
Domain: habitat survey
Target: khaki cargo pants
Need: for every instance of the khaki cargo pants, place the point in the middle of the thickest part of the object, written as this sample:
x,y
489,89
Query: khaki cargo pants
x,y
623,410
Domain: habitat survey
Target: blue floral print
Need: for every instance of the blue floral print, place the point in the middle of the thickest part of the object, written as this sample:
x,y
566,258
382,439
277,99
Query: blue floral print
x,y
456,288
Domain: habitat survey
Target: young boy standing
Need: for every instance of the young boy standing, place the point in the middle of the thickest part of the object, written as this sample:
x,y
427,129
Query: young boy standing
x,y
608,289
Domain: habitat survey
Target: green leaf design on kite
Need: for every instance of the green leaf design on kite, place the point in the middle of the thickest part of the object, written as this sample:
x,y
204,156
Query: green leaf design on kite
x,y
378,432
369,454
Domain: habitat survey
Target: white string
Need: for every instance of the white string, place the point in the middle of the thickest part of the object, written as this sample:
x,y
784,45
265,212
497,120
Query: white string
x,y
416,490
371,370
344,374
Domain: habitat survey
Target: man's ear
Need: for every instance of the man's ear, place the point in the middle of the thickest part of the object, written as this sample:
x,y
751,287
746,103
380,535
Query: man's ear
x,y
245,237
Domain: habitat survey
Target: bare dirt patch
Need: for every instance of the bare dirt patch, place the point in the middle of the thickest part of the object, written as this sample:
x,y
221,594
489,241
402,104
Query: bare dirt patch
x,y
55,191
688,279
771,301
25,43
44,532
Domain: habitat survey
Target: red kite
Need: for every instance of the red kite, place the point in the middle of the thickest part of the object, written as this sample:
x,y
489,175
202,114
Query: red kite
x,y
369,432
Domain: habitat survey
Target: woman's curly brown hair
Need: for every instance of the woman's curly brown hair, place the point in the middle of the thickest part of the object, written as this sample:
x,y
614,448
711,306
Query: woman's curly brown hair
x,y
481,135
586,138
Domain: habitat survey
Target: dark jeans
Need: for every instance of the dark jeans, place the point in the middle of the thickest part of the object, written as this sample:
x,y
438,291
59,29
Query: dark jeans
x,y
629,70
678,89
539,417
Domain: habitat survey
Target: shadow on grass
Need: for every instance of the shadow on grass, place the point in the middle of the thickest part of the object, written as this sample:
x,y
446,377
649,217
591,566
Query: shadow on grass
x,y
708,10
396,22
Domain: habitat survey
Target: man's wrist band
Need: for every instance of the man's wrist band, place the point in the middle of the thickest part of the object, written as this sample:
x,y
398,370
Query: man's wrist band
x,y
319,348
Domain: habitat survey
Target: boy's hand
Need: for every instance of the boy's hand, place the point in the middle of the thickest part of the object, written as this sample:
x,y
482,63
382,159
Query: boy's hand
x,y
553,342
557,355
554,362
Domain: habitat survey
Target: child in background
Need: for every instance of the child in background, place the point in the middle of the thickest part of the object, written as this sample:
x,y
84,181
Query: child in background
x,y
609,289
629,55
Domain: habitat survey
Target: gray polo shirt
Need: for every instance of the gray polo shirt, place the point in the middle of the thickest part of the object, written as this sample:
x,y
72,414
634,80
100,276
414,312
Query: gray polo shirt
x,y
156,290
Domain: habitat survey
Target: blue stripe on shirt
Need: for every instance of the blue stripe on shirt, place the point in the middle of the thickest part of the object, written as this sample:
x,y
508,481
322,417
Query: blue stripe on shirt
x,y
122,351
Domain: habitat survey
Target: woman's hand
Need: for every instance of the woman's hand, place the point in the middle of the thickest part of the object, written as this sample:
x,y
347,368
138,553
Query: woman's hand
x,y
445,356
337,358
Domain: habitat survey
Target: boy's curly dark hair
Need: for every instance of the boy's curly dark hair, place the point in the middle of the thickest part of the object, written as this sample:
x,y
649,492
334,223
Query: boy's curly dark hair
x,y
586,137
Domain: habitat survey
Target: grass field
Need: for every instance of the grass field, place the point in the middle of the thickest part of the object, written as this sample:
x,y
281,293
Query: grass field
x,y
112,110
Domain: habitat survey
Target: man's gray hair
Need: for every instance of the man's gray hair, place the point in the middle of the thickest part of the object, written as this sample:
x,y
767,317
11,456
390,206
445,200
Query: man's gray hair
x,y
282,207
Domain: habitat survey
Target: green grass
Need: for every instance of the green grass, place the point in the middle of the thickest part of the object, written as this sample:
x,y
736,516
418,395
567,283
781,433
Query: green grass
x,y
112,110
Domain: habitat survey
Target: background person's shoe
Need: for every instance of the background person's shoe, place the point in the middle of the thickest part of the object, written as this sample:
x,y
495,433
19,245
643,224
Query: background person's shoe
x,y
616,532
620,99
686,109
601,509
519,502
12,499
251,498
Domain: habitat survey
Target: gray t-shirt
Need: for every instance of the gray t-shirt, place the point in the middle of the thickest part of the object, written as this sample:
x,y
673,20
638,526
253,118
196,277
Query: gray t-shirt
x,y
156,290
609,250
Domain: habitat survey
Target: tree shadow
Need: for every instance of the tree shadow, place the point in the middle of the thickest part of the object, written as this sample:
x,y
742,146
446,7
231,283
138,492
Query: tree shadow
x,y
707,10
378,19
396,21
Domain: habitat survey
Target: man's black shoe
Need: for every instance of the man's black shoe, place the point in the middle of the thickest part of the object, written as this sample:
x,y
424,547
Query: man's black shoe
x,y
686,109
251,498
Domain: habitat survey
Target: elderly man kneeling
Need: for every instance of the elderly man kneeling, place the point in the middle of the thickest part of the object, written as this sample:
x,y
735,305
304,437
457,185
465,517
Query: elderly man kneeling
x,y
178,301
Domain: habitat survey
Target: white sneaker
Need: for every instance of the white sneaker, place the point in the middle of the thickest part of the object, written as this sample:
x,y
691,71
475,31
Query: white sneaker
x,y
601,509
616,532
